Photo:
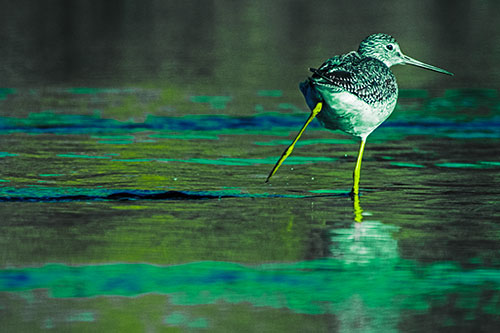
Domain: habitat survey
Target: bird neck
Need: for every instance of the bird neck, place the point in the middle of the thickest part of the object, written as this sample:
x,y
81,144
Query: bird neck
x,y
382,60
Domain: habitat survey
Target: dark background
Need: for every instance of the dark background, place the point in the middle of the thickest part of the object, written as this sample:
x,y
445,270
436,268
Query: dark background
x,y
227,43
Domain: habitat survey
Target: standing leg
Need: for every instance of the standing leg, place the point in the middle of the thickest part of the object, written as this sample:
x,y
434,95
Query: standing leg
x,y
357,169
358,212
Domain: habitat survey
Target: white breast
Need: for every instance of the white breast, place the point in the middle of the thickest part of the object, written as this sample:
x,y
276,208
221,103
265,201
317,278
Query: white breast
x,y
346,112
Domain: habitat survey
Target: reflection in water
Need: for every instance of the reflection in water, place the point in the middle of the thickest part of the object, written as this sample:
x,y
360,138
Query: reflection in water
x,y
363,282
364,276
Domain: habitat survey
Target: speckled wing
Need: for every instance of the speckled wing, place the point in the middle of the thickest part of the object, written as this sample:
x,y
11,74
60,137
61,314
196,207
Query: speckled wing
x,y
367,78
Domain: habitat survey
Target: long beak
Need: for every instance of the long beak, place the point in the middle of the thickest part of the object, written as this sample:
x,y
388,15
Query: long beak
x,y
411,61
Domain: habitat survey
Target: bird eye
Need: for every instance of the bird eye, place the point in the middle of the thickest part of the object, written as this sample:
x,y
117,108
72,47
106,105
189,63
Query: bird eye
x,y
389,47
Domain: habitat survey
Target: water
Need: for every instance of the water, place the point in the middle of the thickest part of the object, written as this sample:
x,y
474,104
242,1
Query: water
x,y
106,219
132,183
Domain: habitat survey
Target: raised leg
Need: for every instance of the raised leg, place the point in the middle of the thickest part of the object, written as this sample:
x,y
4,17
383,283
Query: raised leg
x,y
357,169
288,151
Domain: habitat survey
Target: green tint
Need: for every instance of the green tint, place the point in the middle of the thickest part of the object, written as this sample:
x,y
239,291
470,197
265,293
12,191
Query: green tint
x,y
274,132
5,154
294,160
113,137
83,317
5,92
492,163
94,91
188,136
301,287
41,192
198,323
48,324
292,107
179,319
116,142
413,93
133,160
83,156
485,94
407,165
130,207
306,142
464,165
216,102
182,234
329,191
270,93
175,318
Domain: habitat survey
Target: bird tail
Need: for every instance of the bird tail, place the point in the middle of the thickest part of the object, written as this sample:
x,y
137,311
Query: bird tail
x,y
310,94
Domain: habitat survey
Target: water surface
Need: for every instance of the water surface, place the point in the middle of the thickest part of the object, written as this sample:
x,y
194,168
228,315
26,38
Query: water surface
x,y
165,220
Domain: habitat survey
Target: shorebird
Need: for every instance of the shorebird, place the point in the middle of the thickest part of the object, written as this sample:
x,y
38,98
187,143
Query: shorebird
x,y
355,92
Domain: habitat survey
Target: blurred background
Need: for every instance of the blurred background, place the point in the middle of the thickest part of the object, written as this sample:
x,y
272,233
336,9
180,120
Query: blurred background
x,y
228,43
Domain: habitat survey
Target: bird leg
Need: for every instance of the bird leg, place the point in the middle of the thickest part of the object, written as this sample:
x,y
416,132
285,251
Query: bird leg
x,y
357,169
288,151
358,212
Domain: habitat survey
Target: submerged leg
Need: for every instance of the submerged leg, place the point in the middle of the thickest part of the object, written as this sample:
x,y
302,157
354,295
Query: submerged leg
x,y
357,169
358,212
289,150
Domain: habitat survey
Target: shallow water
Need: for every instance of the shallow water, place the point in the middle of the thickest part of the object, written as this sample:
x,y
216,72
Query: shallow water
x,y
134,146
121,209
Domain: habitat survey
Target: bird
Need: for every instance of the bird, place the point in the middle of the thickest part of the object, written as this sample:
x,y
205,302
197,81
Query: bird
x,y
355,92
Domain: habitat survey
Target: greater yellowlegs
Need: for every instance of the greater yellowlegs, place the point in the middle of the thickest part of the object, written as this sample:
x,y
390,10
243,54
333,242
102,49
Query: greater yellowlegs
x,y
355,92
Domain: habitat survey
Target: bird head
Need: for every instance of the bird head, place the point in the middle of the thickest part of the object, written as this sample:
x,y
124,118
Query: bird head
x,y
385,48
